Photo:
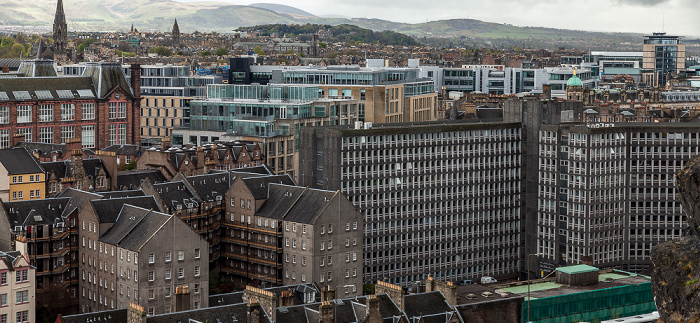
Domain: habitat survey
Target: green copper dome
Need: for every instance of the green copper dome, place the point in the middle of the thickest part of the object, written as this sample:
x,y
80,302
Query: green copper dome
x,y
574,81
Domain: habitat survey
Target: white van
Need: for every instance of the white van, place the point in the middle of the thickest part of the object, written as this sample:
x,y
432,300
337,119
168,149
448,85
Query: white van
x,y
488,280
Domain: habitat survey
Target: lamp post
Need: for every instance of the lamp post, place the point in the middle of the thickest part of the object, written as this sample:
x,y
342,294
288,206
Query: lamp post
x,y
528,284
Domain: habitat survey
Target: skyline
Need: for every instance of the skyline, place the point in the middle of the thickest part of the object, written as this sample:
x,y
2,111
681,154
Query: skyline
x,y
671,16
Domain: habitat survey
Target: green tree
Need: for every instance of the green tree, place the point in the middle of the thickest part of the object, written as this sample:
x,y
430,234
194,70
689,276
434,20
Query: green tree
x,y
18,50
205,53
88,41
259,51
81,48
221,52
6,42
322,45
161,51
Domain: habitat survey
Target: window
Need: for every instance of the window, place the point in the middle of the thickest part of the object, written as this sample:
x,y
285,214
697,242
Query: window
x,y
347,226
151,294
4,115
3,300
88,111
196,271
23,316
196,253
151,311
180,272
117,133
151,276
67,112
354,256
45,113
117,110
196,288
354,225
88,136
3,278
151,258
21,276
330,228
24,113
167,273
303,244
322,244
330,244
67,132
46,135
168,256
294,259
181,255
167,292
303,228
22,297
347,273
303,261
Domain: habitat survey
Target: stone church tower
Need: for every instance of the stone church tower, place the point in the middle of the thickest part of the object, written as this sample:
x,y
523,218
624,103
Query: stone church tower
x,y
175,34
60,34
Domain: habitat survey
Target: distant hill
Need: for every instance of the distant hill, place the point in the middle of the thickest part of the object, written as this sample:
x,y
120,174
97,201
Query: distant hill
x,y
158,15
280,8
341,33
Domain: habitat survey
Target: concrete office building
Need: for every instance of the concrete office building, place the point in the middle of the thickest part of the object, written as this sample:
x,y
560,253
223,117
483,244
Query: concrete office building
x,y
440,199
606,191
662,54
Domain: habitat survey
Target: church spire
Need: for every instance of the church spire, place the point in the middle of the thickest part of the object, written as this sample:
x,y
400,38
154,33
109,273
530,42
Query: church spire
x,y
176,34
60,32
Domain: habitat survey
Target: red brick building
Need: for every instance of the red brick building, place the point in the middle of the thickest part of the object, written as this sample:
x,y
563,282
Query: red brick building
x,y
98,107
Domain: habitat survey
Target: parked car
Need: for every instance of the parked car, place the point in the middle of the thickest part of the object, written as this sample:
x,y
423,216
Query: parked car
x,y
488,280
466,282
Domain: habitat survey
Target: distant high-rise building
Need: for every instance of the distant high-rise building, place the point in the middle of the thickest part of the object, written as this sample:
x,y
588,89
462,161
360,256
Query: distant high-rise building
x,y
176,34
60,32
661,55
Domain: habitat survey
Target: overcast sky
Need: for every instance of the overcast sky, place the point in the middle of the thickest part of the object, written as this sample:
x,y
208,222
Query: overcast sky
x,y
642,16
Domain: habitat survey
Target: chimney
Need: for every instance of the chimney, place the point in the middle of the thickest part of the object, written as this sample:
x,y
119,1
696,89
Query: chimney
x,y
136,79
395,292
135,314
287,298
74,144
255,312
327,294
266,299
109,160
5,69
587,260
546,92
16,139
165,143
373,315
326,311
182,298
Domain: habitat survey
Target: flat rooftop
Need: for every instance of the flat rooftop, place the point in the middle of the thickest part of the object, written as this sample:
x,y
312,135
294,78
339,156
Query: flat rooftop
x,y
549,288
477,293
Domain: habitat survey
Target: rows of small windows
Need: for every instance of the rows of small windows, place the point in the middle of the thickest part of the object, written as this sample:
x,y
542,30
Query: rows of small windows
x,y
428,167
450,221
607,253
454,137
47,111
452,198
663,151
608,193
46,135
643,180
468,152
656,207
656,166
607,139
666,137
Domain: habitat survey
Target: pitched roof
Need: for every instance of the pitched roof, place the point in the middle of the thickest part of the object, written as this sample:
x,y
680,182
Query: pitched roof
x,y
210,186
177,193
46,209
10,258
127,150
218,314
108,210
107,76
19,161
134,226
125,193
258,185
133,179
310,205
59,88
281,199
111,316
425,304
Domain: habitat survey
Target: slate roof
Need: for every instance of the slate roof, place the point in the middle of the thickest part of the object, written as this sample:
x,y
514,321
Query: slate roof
x,y
45,150
51,84
258,185
226,299
19,212
280,200
64,168
12,63
111,316
176,193
120,194
425,304
210,186
19,161
219,314
126,150
77,199
134,226
37,68
310,205
106,76
348,310
10,258
133,179
262,169
108,210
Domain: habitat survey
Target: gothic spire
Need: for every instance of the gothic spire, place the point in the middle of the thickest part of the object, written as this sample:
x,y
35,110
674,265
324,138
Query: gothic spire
x,y
60,30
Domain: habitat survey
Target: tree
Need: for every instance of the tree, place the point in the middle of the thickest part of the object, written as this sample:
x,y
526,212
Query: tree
x,y
322,45
259,51
18,50
6,42
81,48
161,51
205,53
221,52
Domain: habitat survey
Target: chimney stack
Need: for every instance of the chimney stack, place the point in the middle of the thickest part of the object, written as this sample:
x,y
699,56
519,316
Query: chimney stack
x,y
395,292
373,315
16,139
